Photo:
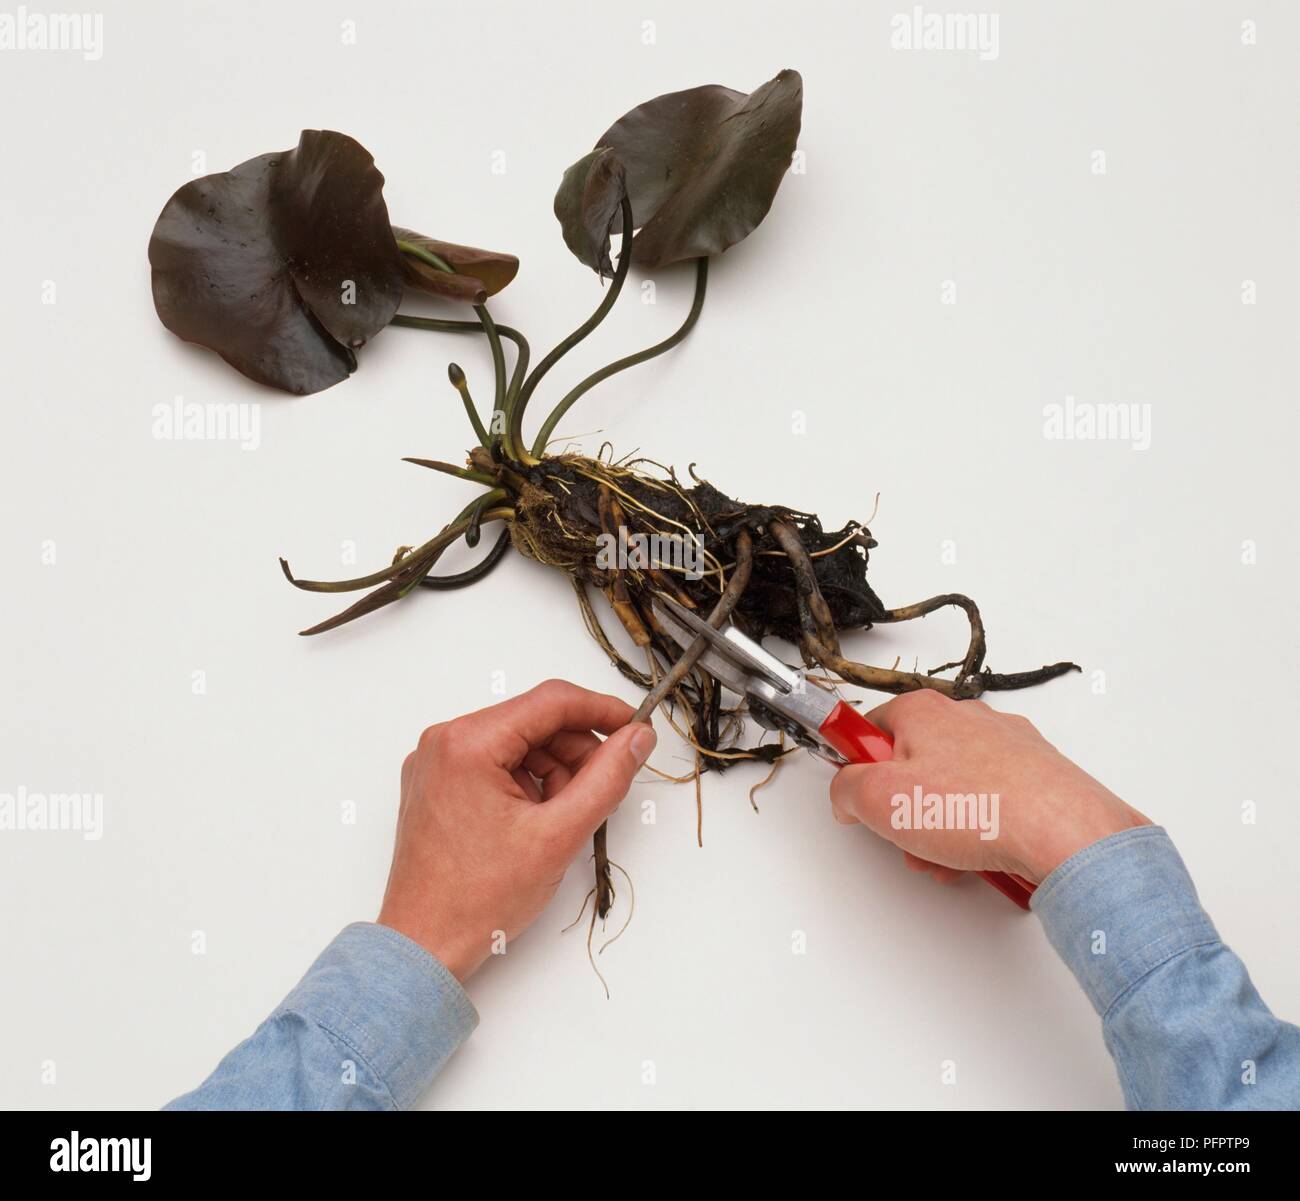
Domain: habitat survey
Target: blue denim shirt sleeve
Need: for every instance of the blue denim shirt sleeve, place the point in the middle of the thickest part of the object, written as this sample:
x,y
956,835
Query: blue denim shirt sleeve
x,y
368,1027
1180,1016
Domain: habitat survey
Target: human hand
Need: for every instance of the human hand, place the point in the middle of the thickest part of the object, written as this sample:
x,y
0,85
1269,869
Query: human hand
x,y
1047,807
495,806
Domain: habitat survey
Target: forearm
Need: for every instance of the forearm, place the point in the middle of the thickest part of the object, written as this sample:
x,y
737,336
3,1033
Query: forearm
x,y
368,1027
1181,1018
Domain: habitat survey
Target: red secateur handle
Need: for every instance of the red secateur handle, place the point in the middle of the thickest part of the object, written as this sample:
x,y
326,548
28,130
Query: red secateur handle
x,y
860,742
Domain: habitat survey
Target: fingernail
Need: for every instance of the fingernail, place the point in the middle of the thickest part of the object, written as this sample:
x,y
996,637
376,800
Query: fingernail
x,y
643,742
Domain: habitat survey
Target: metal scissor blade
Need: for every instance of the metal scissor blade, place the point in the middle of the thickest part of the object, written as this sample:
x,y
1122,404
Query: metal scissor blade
x,y
740,664
727,673
742,653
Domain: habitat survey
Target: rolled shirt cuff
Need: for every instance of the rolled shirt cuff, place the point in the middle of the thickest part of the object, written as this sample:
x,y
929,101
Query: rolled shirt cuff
x,y
390,1001
1119,909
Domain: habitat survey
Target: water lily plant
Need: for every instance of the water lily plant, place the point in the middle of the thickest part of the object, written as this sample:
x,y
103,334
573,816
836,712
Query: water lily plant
x,y
287,264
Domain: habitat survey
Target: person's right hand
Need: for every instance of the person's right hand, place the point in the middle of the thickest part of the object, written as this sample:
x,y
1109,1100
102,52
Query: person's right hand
x,y
1048,808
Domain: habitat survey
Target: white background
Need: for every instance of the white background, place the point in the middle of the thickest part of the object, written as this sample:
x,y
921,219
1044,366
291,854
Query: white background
x,y
223,810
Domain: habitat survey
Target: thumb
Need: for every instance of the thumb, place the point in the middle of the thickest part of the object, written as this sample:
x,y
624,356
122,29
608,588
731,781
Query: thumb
x,y
602,781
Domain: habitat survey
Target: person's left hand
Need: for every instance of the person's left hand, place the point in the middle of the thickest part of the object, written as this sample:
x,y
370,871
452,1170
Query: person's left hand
x,y
495,806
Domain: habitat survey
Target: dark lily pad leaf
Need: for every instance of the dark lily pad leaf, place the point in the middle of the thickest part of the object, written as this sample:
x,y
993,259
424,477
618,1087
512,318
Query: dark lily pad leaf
x,y
703,165
588,205
327,202
283,265
475,274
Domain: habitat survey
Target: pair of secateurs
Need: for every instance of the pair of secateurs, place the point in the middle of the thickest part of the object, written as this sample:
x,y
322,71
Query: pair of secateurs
x,y
781,697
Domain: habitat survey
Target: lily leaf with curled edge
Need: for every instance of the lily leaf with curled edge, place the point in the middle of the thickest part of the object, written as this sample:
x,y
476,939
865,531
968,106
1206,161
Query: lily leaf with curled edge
x,y
284,265
588,206
703,166
475,274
